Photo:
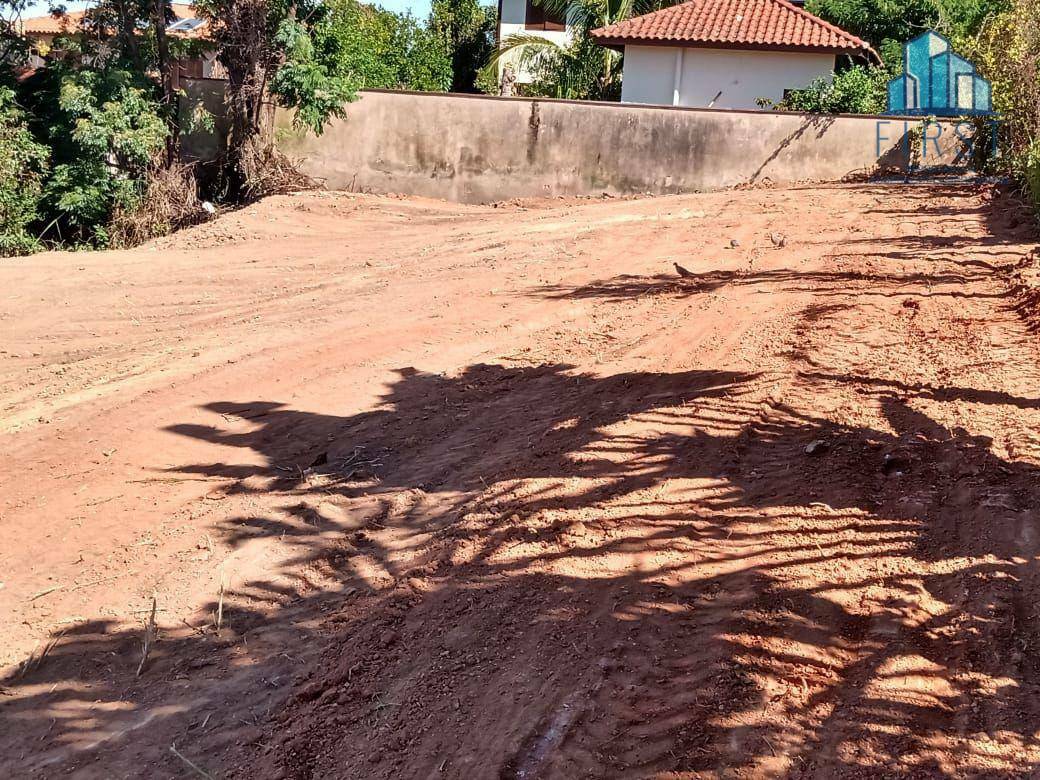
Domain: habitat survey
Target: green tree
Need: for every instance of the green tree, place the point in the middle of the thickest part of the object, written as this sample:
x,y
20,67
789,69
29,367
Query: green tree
x,y
383,50
467,32
271,47
23,166
888,24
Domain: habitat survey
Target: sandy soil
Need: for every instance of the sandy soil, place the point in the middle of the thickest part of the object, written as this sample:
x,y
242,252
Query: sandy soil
x,y
428,490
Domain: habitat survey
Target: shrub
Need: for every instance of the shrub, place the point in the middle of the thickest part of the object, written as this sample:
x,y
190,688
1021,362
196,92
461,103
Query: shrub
x,y
858,90
105,129
1007,52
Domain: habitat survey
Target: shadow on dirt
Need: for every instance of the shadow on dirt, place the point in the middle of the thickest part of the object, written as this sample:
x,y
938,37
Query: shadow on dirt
x,y
553,573
542,572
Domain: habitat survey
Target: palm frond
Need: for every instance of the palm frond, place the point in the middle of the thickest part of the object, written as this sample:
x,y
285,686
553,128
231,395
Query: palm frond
x,y
529,47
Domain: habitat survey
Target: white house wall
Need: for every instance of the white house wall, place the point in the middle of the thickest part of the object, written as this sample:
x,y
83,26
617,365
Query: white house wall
x,y
741,76
514,17
649,75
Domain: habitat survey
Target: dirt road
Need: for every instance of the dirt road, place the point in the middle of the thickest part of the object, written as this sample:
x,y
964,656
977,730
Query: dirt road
x,y
428,490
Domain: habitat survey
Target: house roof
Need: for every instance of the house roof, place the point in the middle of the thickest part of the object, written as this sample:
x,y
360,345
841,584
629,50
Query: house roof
x,y
64,24
775,25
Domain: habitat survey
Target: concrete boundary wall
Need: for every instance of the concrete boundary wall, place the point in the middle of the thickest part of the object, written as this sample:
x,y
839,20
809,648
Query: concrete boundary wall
x,y
479,149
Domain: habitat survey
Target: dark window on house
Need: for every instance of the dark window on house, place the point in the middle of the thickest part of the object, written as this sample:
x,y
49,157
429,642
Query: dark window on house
x,y
539,18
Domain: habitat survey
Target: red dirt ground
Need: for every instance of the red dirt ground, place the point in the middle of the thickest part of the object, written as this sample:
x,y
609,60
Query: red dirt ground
x,y
493,494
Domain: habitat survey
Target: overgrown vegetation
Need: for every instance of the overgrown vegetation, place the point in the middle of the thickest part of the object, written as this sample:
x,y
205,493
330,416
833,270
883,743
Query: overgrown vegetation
x,y
1007,52
23,167
104,130
89,143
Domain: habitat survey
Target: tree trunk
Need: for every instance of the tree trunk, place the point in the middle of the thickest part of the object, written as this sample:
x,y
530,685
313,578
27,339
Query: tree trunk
x,y
128,34
169,85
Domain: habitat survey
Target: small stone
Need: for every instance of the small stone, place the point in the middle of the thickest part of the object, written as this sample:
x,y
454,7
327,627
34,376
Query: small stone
x,y
388,638
817,447
577,528
734,244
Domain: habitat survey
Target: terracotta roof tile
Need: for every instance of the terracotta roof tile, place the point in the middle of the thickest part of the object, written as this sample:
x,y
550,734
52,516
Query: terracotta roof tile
x,y
64,24
751,24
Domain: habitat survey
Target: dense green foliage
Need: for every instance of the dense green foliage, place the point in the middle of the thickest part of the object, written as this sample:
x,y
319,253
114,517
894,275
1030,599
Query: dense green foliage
x,y
467,32
104,128
1007,52
380,49
888,24
92,125
376,48
857,90
23,166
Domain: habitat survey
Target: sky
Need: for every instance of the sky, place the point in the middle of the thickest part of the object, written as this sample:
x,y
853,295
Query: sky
x,y
418,7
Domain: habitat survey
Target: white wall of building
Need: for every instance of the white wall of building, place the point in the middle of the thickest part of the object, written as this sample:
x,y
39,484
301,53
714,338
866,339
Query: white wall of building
x,y
514,16
741,76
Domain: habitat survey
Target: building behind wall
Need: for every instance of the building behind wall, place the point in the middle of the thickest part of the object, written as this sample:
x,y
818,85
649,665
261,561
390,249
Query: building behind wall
x,y
733,54
523,17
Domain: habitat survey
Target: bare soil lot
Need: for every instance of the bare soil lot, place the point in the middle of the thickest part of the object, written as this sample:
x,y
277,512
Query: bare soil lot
x,y
429,490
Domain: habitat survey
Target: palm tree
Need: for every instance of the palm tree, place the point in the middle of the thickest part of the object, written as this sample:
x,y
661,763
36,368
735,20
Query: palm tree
x,y
580,69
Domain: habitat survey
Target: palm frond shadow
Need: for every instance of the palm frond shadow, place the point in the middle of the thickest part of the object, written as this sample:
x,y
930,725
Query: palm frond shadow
x,y
654,553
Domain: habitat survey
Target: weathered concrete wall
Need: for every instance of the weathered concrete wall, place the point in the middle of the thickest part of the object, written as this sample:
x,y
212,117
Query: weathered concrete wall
x,y
479,149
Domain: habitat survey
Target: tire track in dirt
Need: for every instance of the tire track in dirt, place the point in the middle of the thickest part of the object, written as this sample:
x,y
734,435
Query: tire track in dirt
x,y
577,531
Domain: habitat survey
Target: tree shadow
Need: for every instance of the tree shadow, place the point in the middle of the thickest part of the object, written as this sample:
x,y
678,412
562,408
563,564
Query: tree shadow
x,y
822,283
1001,228
535,571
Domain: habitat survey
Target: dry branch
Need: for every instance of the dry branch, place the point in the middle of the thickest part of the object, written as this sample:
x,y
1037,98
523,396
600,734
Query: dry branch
x,y
149,637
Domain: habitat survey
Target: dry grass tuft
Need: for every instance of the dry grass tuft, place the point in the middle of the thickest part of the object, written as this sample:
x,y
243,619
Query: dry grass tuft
x,y
266,171
171,202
